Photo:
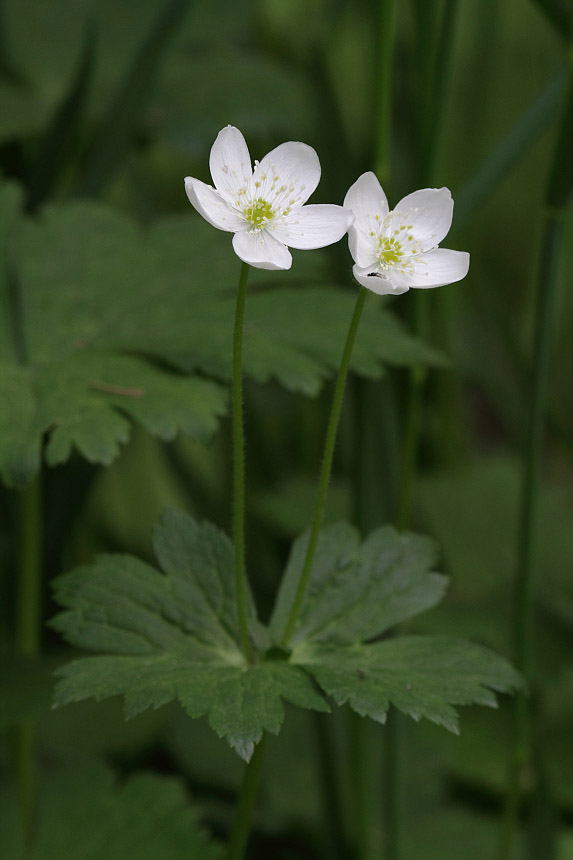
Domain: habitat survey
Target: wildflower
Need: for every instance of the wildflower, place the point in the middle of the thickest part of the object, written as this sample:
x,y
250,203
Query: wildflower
x,y
264,207
396,250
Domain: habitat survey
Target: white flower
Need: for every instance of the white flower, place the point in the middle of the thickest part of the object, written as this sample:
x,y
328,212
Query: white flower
x,y
396,250
264,207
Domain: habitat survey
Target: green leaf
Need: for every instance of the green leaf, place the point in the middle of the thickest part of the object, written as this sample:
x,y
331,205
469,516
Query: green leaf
x,y
85,813
358,591
175,636
422,676
109,313
85,402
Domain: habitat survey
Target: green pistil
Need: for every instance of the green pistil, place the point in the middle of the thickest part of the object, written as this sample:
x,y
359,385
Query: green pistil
x,y
390,251
259,212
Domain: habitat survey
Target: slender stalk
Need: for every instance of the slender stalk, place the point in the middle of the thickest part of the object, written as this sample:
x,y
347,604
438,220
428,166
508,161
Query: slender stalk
x,y
359,784
326,468
391,799
523,633
440,90
246,803
239,465
27,636
411,441
329,789
558,195
386,27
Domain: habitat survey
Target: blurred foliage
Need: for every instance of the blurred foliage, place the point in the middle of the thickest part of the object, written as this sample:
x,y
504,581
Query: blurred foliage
x,y
86,801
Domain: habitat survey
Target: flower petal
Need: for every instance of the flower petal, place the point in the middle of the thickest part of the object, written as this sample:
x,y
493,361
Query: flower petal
x,y
367,200
287,176
261,250
430,213
230,162
434,269
212,206
377,282
313,226
363,247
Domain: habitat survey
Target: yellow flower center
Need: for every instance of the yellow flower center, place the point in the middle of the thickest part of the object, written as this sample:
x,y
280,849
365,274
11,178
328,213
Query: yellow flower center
x,y
259,212
389,251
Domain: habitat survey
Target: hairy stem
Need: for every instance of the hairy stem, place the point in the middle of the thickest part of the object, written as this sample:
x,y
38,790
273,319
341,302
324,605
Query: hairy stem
x,y
328,774
239,466
326,469
246,803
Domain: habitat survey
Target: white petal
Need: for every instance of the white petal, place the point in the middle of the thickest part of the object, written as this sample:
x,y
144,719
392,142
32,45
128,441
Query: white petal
x,y
379,283
212,206
363,247
313,226
230,162
367,200
430,213
261,250
287,176
434,269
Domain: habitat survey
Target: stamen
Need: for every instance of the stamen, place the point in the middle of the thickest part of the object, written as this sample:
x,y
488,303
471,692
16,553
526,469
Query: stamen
x,y
259,213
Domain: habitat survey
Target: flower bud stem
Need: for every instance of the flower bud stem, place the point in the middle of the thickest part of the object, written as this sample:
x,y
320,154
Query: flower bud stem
x,y
326,469
246,803
239,466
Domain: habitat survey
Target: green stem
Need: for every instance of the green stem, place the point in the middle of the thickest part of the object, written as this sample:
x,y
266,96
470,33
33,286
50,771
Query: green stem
x,y
524,594
329,789
386,27
359,784
439,95
326,468
392,761
239,466
246,803
27,635
411,441
558,194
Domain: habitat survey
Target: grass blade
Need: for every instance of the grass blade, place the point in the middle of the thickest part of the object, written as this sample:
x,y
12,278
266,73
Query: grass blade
x,y
510,151
114,135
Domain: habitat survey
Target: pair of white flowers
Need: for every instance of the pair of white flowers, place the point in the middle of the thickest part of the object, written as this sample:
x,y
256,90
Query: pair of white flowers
x,y
265,209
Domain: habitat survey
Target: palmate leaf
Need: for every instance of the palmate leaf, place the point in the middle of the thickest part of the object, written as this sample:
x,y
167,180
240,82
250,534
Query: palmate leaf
x,y
357,591
422,676
84,813
174,635
114,320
